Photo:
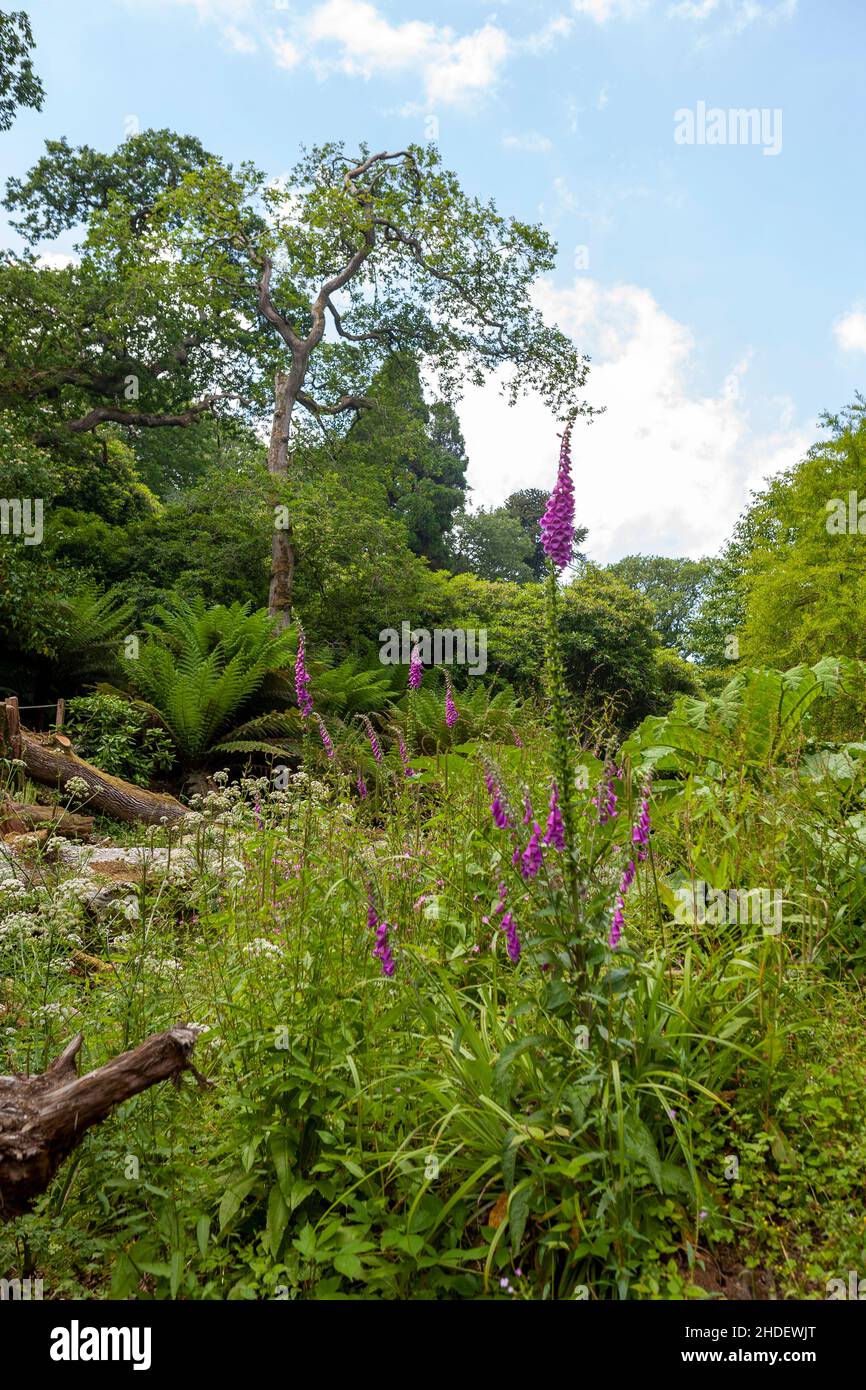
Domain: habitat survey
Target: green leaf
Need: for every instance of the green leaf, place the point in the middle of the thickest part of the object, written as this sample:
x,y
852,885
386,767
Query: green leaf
x,y
306,1242
202,1233
233,1197
349,1265
278,1219
518,1210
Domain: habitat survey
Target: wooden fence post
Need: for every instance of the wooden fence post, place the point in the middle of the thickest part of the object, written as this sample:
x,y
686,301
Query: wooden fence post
x,y
12,720
61,714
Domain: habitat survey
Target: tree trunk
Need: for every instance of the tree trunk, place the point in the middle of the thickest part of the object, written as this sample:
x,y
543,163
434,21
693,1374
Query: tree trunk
x,y
287,386
49,758
43,1118
19,817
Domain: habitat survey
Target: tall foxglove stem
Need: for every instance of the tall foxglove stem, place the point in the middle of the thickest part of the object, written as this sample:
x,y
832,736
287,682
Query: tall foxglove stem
x,y
563,760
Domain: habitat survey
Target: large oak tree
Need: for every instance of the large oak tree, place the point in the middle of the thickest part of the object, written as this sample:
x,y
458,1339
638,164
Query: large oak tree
x,y
200,282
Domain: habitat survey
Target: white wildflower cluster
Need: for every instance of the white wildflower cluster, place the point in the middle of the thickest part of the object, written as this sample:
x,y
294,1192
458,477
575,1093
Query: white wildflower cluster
x,y
310,789
255,786
14,892
13,882
234,873
73,890
61,907
261,946
64,1012
164,966
178,870
77,788
22,925
233,805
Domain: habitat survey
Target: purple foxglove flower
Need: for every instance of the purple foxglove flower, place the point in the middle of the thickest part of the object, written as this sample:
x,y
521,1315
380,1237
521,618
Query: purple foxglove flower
x,y
383,950
302,678
641,832
618,920
362,786
326,737
527,810
627,878
557,524
616,925
416,669
555,832
532,858
498,812
451,714
605,798
499,808
404,757
371,734
512,940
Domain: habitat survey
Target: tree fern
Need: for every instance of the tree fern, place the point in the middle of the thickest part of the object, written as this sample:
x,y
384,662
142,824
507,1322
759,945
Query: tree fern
x,y
200,668
89,630
480,715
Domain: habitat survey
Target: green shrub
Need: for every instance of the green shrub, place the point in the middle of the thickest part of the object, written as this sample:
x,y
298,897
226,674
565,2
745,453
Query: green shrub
x,y
119,737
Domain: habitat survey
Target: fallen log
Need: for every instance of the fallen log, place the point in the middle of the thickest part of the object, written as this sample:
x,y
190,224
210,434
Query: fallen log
x,y
48,758
17,817
43,1118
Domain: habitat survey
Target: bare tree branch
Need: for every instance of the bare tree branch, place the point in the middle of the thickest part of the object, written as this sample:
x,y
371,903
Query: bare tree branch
x,y
344,403
102,413
385,333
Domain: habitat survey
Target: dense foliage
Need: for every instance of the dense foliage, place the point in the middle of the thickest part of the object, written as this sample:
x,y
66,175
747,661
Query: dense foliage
x,y
532,973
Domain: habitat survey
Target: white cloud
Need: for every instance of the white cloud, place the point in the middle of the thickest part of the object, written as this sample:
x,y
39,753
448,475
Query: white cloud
x,y
356,38
469,66
365,41
693,9
557,28
666,468
850,331
240,42
528,143
235,19
603,10
353,37
56,260
738,14
286,54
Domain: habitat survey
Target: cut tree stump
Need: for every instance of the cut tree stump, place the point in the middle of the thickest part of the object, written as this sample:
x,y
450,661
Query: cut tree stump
x,y
43,1118
49,758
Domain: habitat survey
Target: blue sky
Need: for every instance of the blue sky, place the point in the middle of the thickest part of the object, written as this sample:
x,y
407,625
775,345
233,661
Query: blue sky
x,y
720,289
